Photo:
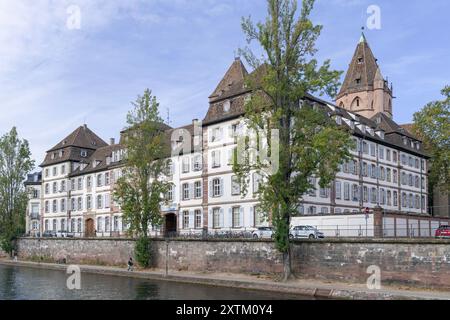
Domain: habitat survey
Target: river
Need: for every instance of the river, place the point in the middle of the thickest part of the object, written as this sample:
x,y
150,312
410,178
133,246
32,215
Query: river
x,y
25,283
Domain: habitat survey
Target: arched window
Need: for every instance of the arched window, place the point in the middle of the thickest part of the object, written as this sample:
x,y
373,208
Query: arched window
x,y
356,103
341,105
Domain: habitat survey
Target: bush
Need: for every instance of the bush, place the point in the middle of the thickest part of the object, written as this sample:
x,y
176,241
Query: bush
x,y
142,251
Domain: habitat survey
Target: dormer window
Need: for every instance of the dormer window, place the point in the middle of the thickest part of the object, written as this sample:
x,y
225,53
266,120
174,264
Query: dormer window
x,y
83,153
358,81
360,60
226,106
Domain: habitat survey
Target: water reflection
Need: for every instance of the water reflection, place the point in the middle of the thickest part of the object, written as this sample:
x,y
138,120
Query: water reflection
x,y
22,283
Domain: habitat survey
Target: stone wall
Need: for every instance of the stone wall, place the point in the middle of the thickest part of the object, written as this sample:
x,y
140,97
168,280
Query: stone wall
x,y
419,263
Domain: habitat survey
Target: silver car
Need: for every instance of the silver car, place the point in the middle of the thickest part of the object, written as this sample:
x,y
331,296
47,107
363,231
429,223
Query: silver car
x,y
263,233
307,232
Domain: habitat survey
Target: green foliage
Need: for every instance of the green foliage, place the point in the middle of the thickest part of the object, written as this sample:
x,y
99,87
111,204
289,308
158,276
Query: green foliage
x,y
310,143
142,251
432,125
15,163
141,188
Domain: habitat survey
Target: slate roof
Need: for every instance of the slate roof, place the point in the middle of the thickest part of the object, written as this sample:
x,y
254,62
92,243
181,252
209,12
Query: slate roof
x,y
362,71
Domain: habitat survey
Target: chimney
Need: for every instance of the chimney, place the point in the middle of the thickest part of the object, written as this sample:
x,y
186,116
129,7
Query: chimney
x,y
112,141
194,121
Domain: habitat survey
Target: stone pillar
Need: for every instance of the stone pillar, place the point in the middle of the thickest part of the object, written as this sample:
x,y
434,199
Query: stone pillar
x,y
378,222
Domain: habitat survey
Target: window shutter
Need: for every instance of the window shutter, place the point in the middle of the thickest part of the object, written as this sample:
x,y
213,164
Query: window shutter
x,y
192,163
191,191
221,187
230,217
210,188
221,217
251,219
210,219
241,218
181,192
191,219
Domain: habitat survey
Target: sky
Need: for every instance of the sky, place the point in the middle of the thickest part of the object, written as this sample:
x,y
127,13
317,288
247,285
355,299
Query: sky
x,y
64,63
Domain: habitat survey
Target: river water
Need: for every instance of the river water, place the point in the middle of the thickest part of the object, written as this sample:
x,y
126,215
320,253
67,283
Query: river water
x,y
24,283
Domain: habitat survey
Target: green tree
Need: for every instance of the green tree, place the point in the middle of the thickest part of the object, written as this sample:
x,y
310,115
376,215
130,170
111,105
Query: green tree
x,y
310,143
432,126
15,163
141,188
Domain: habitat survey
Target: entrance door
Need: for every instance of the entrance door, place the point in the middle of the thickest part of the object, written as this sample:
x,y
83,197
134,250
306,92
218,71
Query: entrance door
x,y
89,229
170,224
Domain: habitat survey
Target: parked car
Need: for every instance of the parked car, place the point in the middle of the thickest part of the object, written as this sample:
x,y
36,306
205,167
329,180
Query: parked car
x,y
308,232
263,233
64,234
49,234
443,232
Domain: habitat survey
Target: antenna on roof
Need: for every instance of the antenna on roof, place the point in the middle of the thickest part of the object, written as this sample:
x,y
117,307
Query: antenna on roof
x,y
168,116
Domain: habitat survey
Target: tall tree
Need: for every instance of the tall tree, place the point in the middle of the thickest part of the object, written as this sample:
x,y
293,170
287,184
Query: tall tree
x,y
432,126
141,188
310,143
15,163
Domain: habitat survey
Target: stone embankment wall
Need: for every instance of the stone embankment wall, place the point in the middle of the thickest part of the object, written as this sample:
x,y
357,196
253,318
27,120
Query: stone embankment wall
x,y
419,263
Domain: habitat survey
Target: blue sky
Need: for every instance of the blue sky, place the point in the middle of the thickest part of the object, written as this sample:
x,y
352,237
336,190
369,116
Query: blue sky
x,y
53,79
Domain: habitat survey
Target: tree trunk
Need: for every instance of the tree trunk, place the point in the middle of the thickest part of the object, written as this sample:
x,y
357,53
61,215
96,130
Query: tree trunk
x,y
287,270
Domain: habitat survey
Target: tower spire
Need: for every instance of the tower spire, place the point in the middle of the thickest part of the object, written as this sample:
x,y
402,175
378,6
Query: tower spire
x,y
362,39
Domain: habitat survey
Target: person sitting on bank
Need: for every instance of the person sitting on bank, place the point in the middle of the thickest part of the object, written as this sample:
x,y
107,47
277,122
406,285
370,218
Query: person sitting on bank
x,y
130,264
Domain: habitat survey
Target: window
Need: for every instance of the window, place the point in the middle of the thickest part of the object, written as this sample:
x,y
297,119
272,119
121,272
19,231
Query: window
x,y
410,180
355,193
216,134
373,195
54,224
46,207
235,186
198,163
258,217
338,190
169,168
404,200
394,156
323,192
169,194
99,224
116,223
382,196
99,202
107,179
365,172
185,165
80,203
217,187
422,202
416,182
381,152
89,182
365,194
88,202
388,155
236,212
394,176
72,204
417,164
389,198
55,206
256,182
55,171
417,202
215,155
372,150
374,170
107,225
198,219
197,189
411,200
422,184
185,188
46,173
80,183
216,218
346,191
324,210
99,180
63,186
388,175
63,205
55,187
365,148
63,224
63,169
382,174
395,198
79,224
312,210
411,162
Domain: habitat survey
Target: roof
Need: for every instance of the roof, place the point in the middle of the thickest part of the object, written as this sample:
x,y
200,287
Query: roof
x,y
362,71
33,179
82,137
232,82
98,160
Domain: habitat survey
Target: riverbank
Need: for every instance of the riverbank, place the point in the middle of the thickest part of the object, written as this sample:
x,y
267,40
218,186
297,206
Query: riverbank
x,y
310,288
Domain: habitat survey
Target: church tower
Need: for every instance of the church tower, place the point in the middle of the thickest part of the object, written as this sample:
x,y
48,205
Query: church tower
x,y
364,90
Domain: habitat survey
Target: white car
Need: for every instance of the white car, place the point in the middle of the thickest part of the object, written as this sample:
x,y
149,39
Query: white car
x,y
263,233
307,232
